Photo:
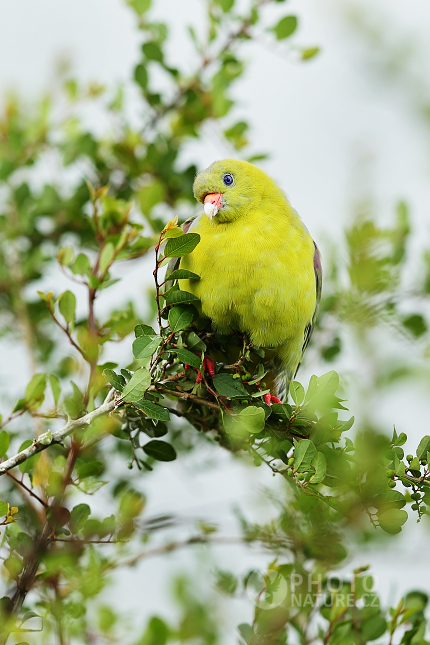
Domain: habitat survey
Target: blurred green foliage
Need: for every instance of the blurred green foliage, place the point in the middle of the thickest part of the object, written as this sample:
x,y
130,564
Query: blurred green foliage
x,y
111,199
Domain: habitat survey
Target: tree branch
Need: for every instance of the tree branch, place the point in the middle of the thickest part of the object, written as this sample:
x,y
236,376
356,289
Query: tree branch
x,y
32,561
174,546
48,439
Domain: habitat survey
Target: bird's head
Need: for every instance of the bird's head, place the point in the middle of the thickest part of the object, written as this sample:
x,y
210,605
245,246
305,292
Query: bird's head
x,y
231,188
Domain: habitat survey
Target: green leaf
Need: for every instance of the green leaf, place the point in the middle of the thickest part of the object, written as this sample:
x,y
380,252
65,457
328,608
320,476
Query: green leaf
x,y
389,499
64,255
328,383
36,388
312,388
415,324
282,410
145,346
3,508
226,5
228,386
78,517
81,265
152,51
373,628
4,443
250,419
188,357
160,450
152,410
304,453
182,274
392,520
106,257
116,380
181,317
194,343
297,392
74,403
309,52
423,447
67,306
28,465
320,465
178,246
415,464
140,6
346,425
173,232
400,469
285,27
323,392
54,382
143,330
19,405
157,632
141,76
246,632
90,469
165,294
137,386
401,439
180,298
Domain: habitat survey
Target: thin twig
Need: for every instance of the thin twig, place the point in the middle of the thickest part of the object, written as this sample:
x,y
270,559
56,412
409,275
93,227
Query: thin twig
x,y
28,490
184,395
68,334
12,416
174,546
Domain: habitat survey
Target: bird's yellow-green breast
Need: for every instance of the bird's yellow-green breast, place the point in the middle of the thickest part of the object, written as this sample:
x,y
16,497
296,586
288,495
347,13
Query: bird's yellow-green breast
x,y
255,260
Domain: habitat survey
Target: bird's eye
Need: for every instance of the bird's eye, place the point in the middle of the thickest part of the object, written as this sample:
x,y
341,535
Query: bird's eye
x,y
228,179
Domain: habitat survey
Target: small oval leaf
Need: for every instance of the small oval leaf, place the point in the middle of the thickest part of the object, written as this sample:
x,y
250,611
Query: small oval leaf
x,y
160,450
176,247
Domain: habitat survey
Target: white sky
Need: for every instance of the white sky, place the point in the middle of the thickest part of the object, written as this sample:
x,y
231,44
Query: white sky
x,y
319,121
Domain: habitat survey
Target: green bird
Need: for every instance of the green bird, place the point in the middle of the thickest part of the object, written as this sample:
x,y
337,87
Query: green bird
x,y
260,271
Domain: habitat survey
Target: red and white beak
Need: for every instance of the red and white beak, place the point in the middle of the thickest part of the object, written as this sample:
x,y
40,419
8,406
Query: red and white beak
x,y
213,203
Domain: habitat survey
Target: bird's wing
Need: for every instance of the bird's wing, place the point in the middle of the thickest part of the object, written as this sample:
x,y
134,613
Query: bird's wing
x,y
318,286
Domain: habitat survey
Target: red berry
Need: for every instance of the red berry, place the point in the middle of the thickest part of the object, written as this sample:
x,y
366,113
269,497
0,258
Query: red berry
x,y
187,367
199,378
275,399
210,365
267,398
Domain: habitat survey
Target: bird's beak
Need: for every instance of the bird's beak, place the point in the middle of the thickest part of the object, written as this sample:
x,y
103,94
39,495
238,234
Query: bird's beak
x,y
213,203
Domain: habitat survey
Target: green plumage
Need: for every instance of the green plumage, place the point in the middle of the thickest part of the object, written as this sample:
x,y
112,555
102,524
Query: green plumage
x,y
256,262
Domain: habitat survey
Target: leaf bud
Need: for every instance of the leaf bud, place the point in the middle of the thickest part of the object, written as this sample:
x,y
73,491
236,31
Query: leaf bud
x,y
416,496
392,483
390,474
414,507
409,458
291,461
